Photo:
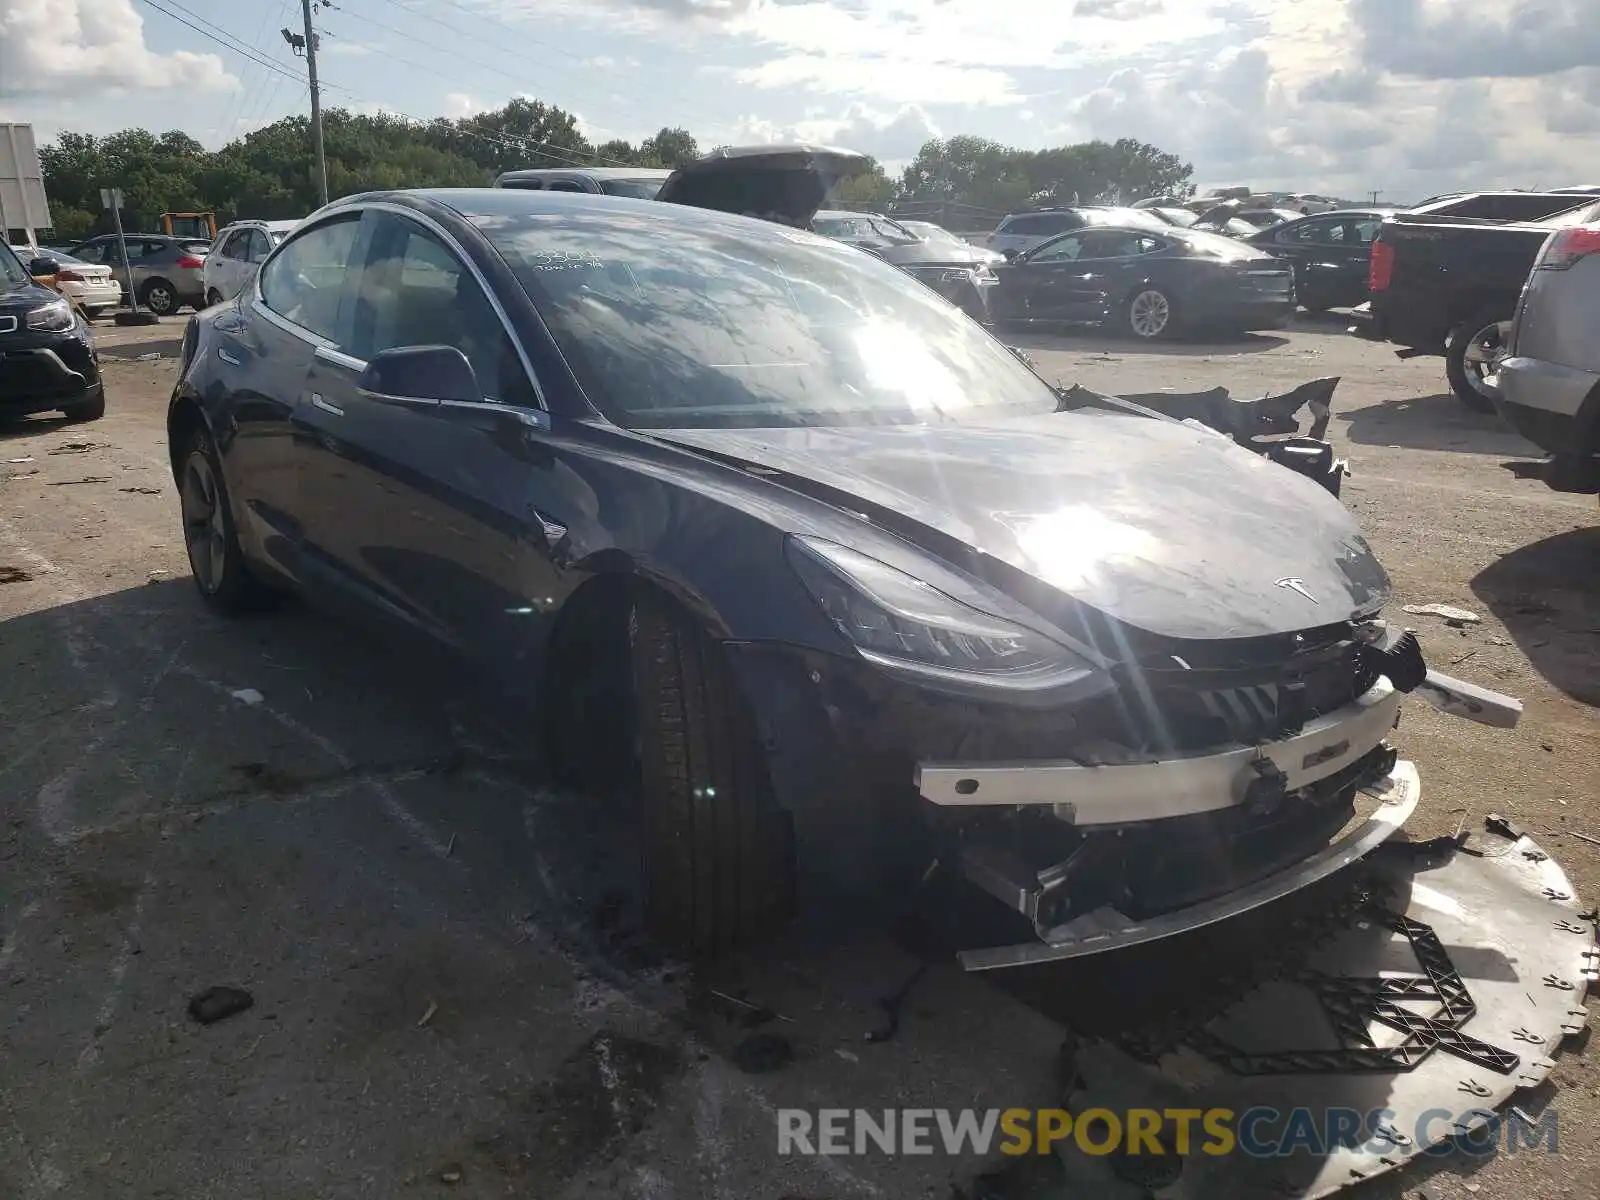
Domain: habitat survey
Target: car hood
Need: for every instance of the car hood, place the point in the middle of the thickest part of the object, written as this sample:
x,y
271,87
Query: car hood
x,y
20,297
788,181
1177,532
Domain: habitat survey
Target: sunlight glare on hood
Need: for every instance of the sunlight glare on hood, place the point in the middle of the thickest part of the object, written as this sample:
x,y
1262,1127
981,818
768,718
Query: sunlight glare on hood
x,y
1069,547
895,359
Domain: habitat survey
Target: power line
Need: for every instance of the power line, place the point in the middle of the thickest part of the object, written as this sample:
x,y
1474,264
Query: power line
x,y
484,18
234,45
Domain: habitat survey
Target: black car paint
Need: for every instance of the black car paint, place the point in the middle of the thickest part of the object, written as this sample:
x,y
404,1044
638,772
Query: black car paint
x,y
1327,273
1448,268
41,371
488,530
1036,288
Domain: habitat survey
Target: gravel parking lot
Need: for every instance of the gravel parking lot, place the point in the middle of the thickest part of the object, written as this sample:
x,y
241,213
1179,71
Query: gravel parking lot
x,y
364,842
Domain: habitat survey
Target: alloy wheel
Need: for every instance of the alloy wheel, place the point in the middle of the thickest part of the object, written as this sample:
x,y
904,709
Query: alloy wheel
x,y
1149,314
1485,349
204,531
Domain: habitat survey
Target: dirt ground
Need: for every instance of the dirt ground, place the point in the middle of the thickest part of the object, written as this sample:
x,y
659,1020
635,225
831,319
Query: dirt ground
x,y
367,846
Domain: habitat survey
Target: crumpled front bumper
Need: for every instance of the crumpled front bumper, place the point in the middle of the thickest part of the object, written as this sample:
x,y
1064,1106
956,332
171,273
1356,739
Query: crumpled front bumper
x,y
1120,794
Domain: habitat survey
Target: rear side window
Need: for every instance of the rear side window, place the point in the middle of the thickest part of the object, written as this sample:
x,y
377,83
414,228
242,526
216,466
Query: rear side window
x,y
233,245
1038,224
303,283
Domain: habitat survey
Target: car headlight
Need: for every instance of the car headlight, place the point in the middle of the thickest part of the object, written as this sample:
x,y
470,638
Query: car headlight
x,y
55,317
961,635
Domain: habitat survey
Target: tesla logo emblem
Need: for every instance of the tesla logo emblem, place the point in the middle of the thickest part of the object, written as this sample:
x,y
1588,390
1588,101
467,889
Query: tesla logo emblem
x,y
1296,585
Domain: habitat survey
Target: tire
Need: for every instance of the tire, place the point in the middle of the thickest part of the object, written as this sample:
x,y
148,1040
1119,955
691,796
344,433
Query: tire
x,y
160,297
220,571
1149,315
213,297
91,409
716,862
1470,356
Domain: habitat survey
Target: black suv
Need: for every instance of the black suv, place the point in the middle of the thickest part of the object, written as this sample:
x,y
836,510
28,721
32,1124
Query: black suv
x,y
47,361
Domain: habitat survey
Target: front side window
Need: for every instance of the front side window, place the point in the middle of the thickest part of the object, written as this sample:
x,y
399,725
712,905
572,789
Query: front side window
x,y
710,324
259,247
303,283
413,291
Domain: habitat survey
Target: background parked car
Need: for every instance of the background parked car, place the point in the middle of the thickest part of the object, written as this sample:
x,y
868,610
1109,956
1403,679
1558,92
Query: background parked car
x,y
237,253
47,358
1331,254
1548,388
940,236
1022,231
166,270
959,272
1147,285
88,285
639,183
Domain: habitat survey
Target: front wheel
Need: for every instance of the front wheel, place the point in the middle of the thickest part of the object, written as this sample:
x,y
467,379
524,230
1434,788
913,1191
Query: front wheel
x,y
1472,356
215,557
716,862
91,409
213,298
1148,314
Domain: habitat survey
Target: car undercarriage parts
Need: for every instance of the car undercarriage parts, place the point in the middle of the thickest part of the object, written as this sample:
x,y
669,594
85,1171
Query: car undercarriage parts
x,y
1266,425
1407,1008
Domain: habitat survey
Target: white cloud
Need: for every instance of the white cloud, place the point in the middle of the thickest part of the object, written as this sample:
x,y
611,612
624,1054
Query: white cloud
x,y
889,79
62,47
892,137
459,104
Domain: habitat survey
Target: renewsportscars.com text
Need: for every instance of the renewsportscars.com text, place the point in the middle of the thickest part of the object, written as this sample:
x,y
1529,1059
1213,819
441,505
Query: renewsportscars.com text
x,y
1257,1132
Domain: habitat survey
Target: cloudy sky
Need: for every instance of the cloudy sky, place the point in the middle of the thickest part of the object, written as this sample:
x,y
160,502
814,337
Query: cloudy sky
x,y
1405,96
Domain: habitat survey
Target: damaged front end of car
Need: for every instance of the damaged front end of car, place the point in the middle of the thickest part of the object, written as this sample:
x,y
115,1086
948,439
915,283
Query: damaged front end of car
x,y
1265,425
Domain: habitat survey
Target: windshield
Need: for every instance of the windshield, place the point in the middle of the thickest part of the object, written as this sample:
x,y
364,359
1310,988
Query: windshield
x,y
11,270
715,324
878,231
932,233
1181,217
633,189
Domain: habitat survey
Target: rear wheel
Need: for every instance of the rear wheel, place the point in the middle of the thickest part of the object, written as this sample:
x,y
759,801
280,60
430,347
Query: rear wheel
x,y
716,863
160,297
213,297
1149,314
1474,353
215,558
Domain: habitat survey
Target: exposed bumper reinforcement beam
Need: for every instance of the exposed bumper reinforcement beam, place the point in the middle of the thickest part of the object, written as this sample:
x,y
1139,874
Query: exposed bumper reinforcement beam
x,y
1107,929
1174,787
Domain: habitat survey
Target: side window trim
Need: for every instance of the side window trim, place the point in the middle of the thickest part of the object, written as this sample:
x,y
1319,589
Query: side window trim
x,y
258,302
450,243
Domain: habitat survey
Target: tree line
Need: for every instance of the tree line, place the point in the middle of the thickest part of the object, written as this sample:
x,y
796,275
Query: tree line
x,y
268,173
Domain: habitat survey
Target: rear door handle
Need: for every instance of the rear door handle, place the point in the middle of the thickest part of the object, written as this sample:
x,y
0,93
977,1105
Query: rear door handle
x,y
332,410
226,357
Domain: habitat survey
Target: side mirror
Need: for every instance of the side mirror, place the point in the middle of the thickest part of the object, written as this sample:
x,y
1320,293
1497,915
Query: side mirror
x,y
1011,256
44,266
424,374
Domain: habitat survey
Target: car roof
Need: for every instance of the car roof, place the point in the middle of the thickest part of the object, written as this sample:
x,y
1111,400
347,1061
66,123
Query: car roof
x,y
592,172
273,226
475,204
852,212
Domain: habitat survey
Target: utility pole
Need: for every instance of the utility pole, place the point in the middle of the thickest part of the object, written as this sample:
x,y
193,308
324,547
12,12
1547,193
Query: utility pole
x,y
308,45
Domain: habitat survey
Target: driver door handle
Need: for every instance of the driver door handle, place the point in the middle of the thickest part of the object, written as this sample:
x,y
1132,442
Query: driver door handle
x,y
333,410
